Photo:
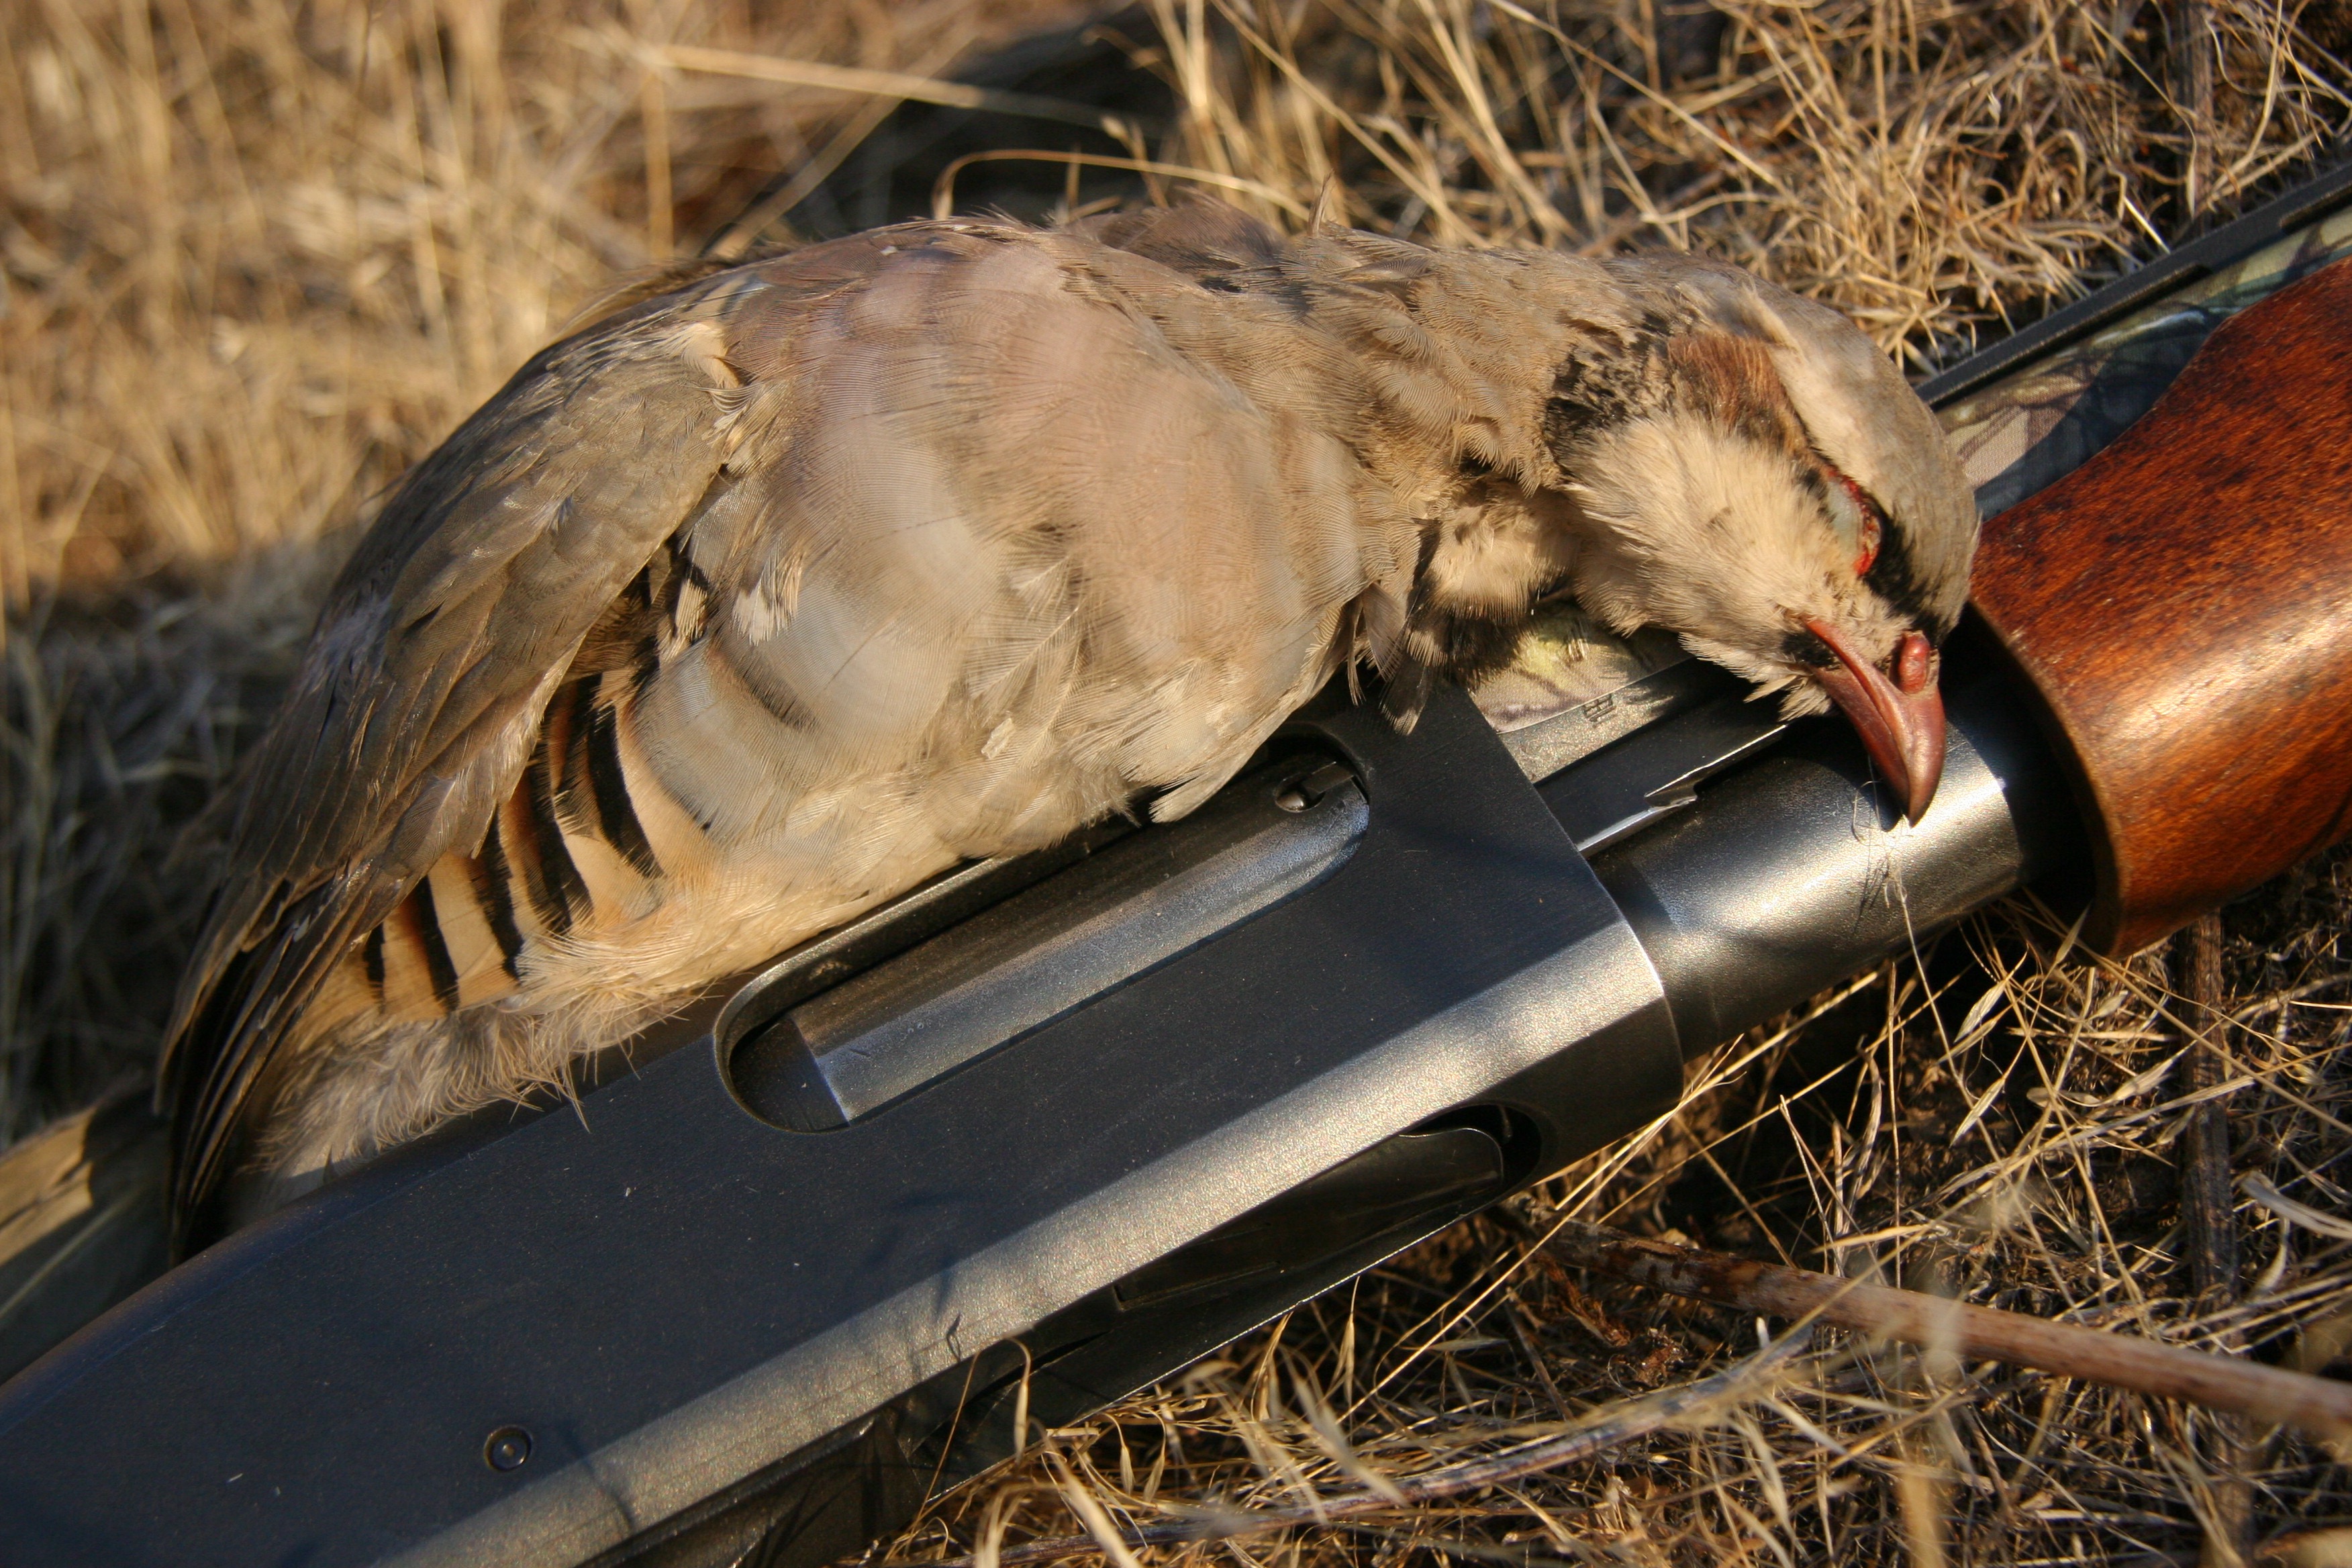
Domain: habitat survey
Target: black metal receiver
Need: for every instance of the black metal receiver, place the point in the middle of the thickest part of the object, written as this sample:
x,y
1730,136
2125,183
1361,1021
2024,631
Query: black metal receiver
x,y
1030,1137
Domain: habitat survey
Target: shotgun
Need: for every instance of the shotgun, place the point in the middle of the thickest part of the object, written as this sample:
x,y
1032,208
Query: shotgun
x,y
1045,1129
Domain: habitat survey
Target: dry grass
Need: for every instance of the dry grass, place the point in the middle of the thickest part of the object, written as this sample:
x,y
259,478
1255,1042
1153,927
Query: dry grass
x,y
258,259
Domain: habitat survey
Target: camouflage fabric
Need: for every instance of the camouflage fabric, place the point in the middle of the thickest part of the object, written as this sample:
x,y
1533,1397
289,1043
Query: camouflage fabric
x,y
2040,423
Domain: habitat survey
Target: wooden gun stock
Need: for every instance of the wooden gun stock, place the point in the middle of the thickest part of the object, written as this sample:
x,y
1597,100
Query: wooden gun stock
x,y
2183,603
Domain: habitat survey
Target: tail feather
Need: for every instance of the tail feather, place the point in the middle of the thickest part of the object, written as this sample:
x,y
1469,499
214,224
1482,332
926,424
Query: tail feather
x,y
247,1013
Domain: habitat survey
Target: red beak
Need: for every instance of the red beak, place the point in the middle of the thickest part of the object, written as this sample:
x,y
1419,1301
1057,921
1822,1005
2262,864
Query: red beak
x,y
1901,721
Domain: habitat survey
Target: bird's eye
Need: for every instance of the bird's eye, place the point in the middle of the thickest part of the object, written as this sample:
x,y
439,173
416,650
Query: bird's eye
x,y
1868,556
1852,506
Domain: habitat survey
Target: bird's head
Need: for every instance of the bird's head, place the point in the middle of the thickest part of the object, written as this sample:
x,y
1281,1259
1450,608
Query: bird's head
x,y
1767,487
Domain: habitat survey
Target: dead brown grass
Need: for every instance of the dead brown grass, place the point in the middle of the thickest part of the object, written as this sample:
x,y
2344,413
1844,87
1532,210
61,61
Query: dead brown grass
x,y
258,259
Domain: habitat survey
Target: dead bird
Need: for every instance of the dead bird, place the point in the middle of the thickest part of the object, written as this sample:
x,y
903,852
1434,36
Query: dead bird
x,y
765,598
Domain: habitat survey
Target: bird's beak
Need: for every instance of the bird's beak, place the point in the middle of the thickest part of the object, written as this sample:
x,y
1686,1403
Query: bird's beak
x,y
1901,721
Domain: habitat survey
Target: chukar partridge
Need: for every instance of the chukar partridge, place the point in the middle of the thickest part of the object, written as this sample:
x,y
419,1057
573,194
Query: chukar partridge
x,y
763,599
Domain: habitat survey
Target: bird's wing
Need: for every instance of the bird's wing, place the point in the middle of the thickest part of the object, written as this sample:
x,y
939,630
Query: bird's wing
x,y
921,412
426,678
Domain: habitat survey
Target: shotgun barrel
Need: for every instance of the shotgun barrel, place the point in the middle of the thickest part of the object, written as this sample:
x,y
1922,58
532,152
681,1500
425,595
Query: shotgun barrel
x,y
1043,1131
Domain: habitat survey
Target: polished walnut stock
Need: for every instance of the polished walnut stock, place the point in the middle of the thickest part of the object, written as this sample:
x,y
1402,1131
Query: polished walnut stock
x,y
2183,603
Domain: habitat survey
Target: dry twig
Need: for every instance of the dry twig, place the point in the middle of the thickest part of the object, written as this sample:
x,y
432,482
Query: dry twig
x,y
1962,1332
2207,1204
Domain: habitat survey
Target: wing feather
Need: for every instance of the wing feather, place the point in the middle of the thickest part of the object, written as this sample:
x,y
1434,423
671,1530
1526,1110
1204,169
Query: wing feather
x,y
427,678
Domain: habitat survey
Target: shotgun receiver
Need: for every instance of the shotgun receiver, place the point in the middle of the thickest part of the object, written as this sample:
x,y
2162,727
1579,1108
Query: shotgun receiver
x,y
1046,1129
